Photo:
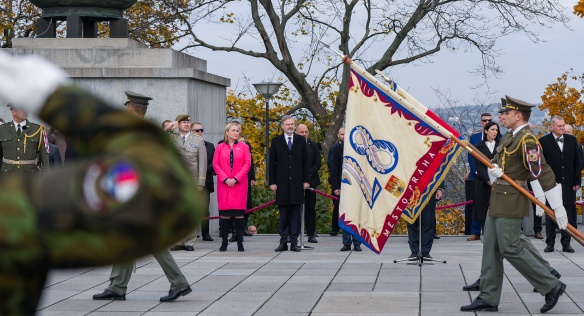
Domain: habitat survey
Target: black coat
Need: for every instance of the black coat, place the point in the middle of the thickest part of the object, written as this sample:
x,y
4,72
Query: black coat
x,y
564,163
482,188
289,170
314,161
209,184
336,166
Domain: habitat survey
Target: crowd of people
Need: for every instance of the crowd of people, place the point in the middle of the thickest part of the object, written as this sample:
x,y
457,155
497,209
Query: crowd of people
x,y
550,165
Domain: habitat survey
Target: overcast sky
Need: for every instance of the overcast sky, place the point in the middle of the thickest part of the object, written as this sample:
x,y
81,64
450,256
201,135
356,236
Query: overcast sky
x,y
527,67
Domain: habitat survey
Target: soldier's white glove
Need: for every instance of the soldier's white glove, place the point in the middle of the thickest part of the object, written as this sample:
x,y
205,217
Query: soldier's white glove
x,y
495,173
554,197
27,81
540,195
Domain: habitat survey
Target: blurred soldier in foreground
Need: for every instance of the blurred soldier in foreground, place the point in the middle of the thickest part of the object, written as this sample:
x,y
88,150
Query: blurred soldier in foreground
x,y
129,197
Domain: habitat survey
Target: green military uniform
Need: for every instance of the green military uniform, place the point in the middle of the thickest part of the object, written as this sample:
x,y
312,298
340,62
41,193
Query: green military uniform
x,y
129,197
122,272
24,152
519,155
194,154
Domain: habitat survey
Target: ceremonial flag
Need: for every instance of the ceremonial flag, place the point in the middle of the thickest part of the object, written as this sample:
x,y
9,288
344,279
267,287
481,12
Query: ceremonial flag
x,y
395,153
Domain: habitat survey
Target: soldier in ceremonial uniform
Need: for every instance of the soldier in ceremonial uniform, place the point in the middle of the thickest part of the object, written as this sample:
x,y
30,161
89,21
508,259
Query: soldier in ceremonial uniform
x,y
22,144
194,154
525,242
137,104
519,156
125,197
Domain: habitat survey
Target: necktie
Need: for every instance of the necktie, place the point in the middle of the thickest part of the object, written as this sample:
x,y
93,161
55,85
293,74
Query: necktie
x,y
18,130
289,143
184,139
559,139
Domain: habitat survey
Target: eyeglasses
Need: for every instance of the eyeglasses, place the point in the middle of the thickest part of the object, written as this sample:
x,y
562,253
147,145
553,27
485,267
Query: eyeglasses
x,y
487,120
199,130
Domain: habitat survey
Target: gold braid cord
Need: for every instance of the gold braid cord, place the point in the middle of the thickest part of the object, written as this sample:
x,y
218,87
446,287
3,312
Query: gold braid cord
x,y
524,140
40,131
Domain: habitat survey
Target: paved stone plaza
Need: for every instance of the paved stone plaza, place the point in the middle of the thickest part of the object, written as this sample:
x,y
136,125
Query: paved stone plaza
x,y
323,281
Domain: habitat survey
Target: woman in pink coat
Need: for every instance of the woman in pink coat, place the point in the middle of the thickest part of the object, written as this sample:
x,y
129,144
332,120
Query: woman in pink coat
x,y
231,163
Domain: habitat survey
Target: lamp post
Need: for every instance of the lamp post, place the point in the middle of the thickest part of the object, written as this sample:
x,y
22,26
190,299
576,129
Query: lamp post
x,y
267,90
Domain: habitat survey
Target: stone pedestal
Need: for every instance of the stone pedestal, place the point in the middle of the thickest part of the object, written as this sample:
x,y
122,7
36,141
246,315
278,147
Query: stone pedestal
x,y
177,82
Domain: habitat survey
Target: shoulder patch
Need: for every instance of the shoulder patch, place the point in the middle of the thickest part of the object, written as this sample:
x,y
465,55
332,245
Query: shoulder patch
x,y
533,155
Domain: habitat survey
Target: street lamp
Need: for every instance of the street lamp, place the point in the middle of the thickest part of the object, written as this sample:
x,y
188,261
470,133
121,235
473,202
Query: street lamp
x,y
267,90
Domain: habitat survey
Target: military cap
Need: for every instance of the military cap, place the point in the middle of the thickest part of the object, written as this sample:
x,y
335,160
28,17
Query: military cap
x,y
516,104
183,117
137,98
503,104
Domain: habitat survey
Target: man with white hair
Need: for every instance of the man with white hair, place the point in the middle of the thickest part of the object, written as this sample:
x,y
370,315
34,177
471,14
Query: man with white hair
x,y
562,155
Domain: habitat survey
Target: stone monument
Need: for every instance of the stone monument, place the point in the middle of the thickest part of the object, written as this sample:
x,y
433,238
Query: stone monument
x,y
177,82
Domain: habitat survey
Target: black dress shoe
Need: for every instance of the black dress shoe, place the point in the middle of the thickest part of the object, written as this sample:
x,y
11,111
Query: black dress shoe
x,y
549,248
479,305
426,255
568,248
346,248
436,236
357,248
248,234
282,247
311,239
233,238
333,232
189,248
207,238
473,287
551,298
315,235
412,256
294,247
174,294
555,273
177,248
109,295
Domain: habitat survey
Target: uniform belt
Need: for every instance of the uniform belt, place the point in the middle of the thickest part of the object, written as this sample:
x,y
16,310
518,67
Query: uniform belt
x,y
503,182
20,162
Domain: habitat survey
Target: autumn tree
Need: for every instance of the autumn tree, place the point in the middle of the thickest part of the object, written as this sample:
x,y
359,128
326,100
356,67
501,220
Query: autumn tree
x,y
150,22
560,98
377,34
579,9
17,19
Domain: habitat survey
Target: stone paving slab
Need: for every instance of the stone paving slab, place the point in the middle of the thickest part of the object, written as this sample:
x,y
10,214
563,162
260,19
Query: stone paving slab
x,y
319,282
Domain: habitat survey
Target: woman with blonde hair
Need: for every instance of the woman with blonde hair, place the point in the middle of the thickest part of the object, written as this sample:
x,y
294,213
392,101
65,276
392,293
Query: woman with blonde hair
x,y
231,163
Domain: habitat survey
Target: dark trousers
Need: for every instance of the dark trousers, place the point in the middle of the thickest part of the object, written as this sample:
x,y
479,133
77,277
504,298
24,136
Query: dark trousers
x,y
347,238
536,221
335,219
551,226
469,194
289,220
205,221
428,218
310,212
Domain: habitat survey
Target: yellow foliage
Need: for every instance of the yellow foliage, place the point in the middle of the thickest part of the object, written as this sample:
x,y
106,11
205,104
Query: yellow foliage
x,y
579,9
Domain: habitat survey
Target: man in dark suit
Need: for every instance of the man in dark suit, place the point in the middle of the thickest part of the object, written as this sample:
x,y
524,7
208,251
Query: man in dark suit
x,y
289,177
329,161
562,155
197,129
314,162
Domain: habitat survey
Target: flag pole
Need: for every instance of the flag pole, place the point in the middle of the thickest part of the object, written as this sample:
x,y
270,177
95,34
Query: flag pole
x,y
417,108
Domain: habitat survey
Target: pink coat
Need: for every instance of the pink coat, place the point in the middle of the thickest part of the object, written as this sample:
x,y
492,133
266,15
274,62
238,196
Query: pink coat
x,y
232,198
